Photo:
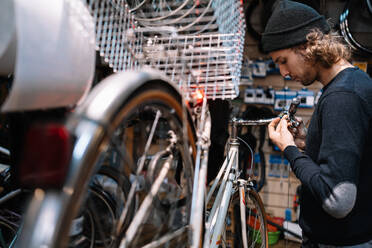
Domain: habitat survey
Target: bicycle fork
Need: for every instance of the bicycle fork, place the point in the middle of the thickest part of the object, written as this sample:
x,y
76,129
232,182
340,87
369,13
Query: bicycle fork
x,y
243,216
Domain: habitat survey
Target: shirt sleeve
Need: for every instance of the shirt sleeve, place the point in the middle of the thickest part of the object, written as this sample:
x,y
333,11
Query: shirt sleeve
x,y
334,178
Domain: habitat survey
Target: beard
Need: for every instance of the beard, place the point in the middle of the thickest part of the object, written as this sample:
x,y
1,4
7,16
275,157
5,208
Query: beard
x,y
307,82
308,79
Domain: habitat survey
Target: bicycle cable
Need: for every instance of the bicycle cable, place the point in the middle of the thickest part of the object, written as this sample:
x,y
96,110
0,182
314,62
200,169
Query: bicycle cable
x,y
251,152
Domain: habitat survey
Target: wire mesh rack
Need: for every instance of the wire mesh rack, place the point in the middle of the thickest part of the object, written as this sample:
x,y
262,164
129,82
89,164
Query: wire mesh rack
x,y
114,29
198,44
206,62
188,17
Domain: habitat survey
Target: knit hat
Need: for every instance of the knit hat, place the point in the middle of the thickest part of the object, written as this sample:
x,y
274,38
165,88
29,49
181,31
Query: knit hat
x,y
289,24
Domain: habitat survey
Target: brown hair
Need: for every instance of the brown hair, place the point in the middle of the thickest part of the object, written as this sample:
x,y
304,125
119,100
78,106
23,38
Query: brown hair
x,y
325,49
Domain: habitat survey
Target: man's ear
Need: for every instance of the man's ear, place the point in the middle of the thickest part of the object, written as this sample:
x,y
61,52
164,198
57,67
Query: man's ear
x,y
300,49
302,46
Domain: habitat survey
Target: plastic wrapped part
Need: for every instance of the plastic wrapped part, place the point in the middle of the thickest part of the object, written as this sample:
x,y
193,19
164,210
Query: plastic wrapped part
x,y
7,37
55,54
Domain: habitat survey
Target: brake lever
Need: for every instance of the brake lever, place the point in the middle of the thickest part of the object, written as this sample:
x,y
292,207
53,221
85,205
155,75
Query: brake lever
x,y
291,112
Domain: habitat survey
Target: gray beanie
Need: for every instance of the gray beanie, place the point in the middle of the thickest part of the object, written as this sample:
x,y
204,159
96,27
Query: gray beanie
x,y
289,24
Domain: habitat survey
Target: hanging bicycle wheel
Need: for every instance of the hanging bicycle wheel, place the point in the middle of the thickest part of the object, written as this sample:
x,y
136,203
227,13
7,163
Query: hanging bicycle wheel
x,y
355,26
9,225
144,132
255,219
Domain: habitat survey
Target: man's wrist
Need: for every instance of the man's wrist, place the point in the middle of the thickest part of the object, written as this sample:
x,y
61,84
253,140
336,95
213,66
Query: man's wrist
x,y
287,145
292,153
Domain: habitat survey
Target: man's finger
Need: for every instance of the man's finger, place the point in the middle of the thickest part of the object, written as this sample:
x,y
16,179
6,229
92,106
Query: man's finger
x,y
299,119
283,124
293,130
282,120
273,124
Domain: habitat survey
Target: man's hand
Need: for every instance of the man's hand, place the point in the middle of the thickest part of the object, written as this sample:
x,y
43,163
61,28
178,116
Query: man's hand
x,y
279,133
299,133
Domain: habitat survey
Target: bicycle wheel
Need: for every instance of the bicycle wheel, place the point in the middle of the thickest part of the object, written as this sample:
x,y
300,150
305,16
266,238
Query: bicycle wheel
x,y
9,225
144,132
164,182
11,208
256,231
107,194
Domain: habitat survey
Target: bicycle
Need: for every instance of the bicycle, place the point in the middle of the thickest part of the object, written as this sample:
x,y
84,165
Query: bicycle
x,y
251,207
99,128
96,127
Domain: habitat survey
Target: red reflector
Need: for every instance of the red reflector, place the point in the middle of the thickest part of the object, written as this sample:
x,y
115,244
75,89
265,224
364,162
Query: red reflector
x,y
45,157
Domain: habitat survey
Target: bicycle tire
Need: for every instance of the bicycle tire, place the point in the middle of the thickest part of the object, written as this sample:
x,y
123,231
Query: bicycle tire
x,y
105,116
107,192
7,233
256,234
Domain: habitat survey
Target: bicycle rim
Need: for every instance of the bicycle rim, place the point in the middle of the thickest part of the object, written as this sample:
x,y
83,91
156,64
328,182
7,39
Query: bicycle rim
x,y
256,232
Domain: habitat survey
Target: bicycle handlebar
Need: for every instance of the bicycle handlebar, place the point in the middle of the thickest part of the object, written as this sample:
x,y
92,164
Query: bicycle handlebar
x,y
235,122
259,122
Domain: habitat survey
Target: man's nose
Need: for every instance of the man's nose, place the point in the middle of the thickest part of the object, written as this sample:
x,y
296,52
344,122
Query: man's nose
x,y
283,71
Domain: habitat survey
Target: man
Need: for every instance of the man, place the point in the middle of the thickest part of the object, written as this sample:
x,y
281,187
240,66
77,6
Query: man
x,y
335,168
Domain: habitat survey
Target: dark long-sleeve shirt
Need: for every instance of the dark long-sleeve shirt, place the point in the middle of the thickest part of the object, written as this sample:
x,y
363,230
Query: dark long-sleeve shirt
x,y
336,168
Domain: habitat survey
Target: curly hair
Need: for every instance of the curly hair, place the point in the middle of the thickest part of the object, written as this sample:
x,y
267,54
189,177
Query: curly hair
x,y
325,49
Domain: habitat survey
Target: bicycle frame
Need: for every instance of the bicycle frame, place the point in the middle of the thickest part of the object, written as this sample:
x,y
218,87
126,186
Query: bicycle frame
x,y
216,219
228,177
200,175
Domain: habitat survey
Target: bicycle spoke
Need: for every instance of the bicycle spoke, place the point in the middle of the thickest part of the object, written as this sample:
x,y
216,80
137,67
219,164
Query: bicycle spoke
x,y
138,171
165,239
143,210
148,142
255,235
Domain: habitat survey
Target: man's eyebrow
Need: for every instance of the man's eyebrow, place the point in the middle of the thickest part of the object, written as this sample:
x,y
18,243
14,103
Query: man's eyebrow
x,y
277,59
